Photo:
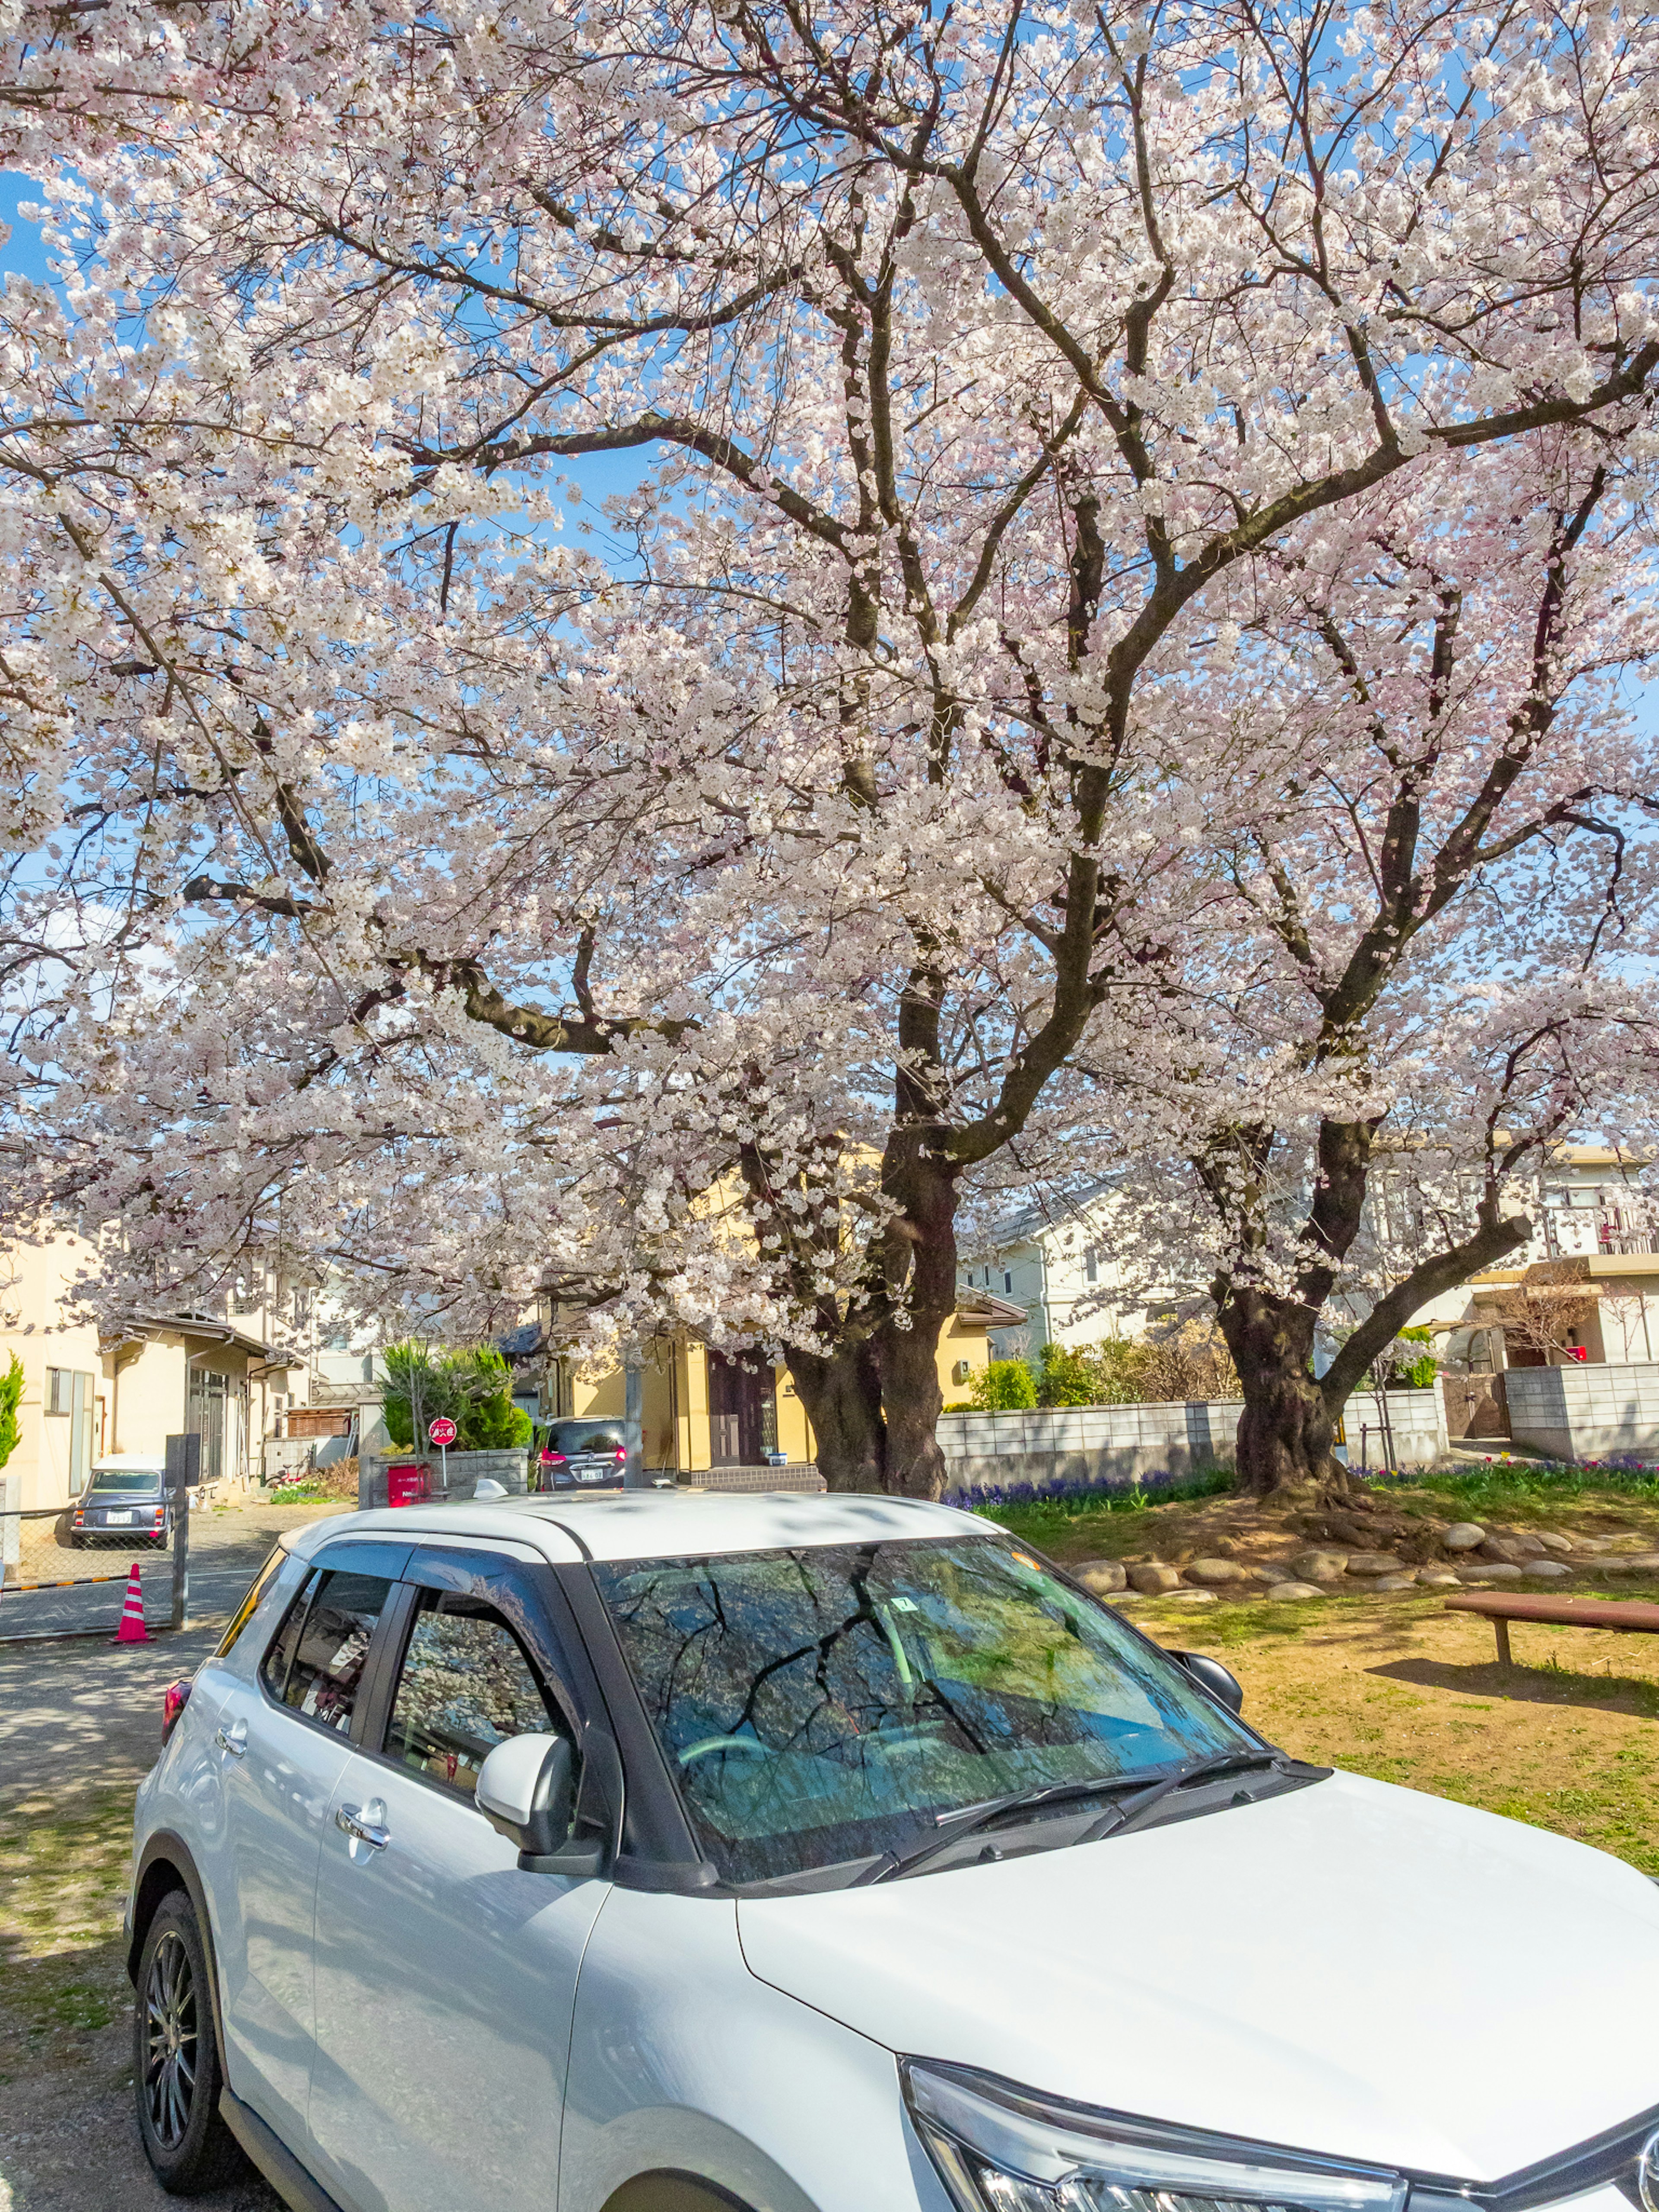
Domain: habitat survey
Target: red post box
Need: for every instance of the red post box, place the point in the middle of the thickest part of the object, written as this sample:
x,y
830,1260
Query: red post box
x,y
407,1482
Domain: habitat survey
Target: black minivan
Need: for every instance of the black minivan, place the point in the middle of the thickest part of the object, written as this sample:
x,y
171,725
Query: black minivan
x,y
591,1454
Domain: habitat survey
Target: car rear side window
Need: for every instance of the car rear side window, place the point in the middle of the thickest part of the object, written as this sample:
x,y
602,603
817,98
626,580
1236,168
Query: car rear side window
x,y
250,1605
465,1685
316,1663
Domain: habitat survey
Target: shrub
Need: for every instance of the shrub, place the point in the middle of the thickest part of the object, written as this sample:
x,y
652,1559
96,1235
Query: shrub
x,y
11,1392
474,1387
1004,1386
1066,1376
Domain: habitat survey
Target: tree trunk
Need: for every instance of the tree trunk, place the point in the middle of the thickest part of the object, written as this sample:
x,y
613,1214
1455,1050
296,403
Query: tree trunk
x,y
874,1408
1285,1432
874,1403
912,1402
842,1397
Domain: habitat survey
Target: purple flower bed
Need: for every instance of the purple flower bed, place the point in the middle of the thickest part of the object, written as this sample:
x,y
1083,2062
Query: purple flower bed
x,y
1159,1486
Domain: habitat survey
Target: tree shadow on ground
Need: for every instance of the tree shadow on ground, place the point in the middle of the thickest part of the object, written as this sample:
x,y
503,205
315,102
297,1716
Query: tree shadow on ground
x,y
1524,1684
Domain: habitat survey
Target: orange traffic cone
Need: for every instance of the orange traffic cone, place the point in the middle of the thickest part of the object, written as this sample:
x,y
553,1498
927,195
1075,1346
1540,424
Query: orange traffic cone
x,y
132,1629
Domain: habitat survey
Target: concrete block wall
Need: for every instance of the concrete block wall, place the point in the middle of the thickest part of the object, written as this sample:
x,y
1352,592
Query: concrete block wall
x,y
466,1471
1592,1412
1118,1445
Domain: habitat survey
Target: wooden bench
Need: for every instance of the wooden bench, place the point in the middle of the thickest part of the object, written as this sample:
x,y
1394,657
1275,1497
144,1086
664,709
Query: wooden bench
x,y
1631,1615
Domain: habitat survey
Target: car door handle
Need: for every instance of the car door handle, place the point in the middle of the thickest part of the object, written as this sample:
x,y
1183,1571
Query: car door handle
x,y
363,1823
233,1739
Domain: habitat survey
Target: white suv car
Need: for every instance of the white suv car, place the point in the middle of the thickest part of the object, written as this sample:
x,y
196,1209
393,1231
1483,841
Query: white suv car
x,y
666,1854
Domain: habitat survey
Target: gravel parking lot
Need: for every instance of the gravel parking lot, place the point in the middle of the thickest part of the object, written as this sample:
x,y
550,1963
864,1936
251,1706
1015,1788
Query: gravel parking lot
x,y
80,1724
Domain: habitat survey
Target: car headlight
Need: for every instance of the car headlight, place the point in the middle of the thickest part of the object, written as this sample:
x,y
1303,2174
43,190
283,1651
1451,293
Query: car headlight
x,y
1001,2149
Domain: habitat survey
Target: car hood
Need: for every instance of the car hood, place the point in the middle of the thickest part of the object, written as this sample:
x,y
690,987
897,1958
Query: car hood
x,y
1350,1968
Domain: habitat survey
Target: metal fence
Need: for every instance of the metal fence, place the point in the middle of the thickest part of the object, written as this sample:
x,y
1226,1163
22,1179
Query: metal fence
x,y
41,1550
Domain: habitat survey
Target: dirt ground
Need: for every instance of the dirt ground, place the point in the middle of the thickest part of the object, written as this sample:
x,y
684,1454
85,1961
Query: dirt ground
x,y
1567,1738
80,1724
1270,1531
1402,1689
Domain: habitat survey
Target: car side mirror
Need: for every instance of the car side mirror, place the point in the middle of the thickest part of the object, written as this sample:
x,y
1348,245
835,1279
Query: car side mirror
x,y
526,1790
1220,1681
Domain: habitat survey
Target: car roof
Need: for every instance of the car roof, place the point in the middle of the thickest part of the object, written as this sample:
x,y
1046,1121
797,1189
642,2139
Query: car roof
x,y
129,1463
647,1524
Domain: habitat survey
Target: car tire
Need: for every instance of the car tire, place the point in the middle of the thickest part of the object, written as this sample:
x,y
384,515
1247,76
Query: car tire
x,y
176,2074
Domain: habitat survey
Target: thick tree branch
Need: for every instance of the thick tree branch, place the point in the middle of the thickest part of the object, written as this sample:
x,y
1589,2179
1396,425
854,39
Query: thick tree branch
x,y
1498,1235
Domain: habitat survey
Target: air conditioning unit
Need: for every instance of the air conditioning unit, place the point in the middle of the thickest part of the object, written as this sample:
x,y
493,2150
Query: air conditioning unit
x,y
961,1371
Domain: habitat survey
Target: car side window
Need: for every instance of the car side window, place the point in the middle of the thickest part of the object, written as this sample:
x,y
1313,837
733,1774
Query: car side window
x,y
465,1685
315,1665
250,1605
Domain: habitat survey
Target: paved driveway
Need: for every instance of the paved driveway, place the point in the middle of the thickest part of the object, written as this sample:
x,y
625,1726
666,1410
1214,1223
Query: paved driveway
x,y
79,1723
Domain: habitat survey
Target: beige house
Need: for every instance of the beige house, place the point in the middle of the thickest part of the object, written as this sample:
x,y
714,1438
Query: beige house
x,y
702,1410
63,1418
88,1394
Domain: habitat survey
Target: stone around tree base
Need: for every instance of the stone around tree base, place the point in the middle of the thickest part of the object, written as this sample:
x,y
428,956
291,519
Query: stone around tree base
x,y
1104,1577
1463,1536
1321,1566
1395,1582
1439,1578
1296,1590
1190,1597
1488,1571
1219,1571
1153,1577
1545,1570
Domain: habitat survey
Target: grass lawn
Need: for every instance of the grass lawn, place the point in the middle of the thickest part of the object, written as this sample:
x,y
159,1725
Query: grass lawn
x,y
1398,1688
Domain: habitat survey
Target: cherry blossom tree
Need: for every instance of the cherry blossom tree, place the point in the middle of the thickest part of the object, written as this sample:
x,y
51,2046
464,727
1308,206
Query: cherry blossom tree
x,y
1425,958
699,911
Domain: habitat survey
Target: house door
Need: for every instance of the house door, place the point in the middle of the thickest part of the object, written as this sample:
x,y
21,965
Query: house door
x,y
742,1413
205,1417
1476,1405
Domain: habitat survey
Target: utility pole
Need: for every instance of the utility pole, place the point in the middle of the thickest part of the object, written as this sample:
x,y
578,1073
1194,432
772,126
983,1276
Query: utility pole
x,y
633,1420
184,1473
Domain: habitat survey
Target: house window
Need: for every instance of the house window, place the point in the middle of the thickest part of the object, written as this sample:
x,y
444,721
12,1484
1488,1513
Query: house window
x,y
70,1393
1092,1264
1008,1281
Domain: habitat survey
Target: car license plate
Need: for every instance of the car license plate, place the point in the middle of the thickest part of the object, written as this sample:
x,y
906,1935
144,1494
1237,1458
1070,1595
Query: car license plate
x,y
115,1519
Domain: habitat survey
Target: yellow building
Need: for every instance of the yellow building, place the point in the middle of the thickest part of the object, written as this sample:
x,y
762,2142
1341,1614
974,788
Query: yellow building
x,y
87,1395
64,1418
702,1410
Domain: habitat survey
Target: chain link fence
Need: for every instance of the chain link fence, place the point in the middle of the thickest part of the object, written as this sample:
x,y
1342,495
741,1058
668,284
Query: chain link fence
x,y
42,1549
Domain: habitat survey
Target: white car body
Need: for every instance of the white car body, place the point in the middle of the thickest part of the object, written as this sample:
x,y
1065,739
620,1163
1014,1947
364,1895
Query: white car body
x,y
1349,1969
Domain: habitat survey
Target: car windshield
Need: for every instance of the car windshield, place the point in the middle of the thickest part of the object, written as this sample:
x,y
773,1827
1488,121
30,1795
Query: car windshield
x,y
822,1705
586,1437
123,1482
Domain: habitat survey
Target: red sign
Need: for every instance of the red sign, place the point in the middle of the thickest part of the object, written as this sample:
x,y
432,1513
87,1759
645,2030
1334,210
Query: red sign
x,y
442,1430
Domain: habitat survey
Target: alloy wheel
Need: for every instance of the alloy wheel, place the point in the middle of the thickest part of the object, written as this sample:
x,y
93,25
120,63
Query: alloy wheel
x,y
170,2041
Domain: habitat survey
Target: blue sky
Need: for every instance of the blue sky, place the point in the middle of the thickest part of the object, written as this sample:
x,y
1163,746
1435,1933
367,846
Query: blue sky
x,y
601,476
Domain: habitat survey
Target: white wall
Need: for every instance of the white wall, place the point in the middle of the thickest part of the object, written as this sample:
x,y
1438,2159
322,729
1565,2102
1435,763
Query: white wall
x,y
1118,1443
1592,1412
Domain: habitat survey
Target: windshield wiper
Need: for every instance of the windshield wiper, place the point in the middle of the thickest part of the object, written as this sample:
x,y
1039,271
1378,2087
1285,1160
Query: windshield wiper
x,y
1121,1817
1002,1809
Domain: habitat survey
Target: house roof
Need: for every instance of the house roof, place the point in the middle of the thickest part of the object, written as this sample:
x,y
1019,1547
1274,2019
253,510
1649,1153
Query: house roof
x,y
1032,1223
994,1312
205,1325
